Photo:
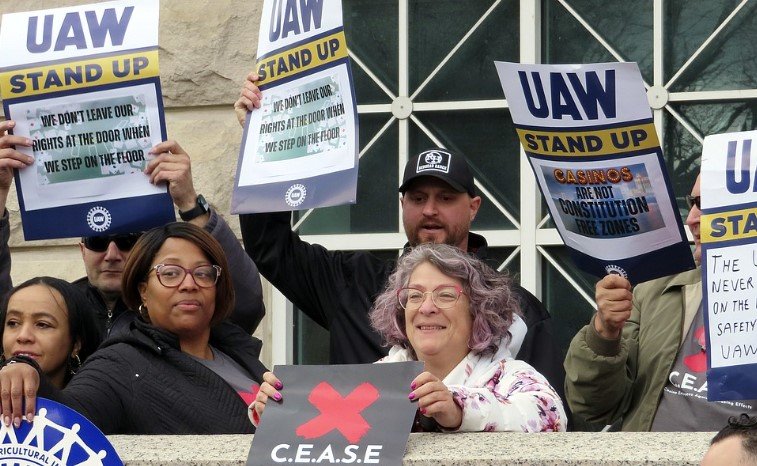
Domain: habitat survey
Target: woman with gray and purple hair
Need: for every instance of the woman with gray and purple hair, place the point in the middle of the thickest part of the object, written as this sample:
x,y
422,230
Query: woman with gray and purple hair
x,y
448,309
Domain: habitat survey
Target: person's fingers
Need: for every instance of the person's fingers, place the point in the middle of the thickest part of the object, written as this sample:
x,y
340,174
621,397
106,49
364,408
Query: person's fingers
x,y
10,140
5,397
423,379
168,171
249,99
431,391
31,385
610,281
168,161
11,158
259,407
270,391
167,146
17,398
261,397
271,378
5,125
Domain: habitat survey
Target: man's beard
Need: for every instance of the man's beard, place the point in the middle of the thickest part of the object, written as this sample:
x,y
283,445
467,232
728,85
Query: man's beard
x,y
451,238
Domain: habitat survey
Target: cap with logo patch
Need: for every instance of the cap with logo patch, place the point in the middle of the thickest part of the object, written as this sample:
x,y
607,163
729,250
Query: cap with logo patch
x,y
442,164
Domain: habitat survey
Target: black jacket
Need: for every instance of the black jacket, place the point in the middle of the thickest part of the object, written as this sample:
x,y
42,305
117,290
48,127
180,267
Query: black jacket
x,y
139,382
248,304
337,289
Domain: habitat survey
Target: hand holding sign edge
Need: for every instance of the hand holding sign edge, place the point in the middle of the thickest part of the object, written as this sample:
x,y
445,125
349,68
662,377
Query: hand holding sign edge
x,y
268,389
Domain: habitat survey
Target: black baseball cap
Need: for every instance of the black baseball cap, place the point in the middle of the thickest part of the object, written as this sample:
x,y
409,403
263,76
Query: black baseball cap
x,y
440,163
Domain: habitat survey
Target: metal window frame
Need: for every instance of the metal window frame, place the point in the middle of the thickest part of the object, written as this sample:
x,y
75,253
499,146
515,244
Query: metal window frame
x,y
529,238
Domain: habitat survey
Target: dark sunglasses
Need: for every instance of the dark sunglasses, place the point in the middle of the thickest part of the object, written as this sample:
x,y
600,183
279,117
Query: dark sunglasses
x,y
101,243
692,201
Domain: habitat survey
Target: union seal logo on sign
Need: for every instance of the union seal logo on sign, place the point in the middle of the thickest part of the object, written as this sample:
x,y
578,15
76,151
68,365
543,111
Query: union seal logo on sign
x,y
98,218
617,270
58,436
295,195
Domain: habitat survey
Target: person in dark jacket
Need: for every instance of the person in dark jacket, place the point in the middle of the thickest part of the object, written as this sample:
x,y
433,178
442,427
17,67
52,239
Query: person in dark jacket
x,y
104,256
182,368
337,288
48,320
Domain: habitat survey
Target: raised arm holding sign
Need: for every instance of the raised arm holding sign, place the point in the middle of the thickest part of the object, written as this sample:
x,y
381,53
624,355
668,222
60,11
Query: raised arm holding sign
x,y
300,150
82,84
588,133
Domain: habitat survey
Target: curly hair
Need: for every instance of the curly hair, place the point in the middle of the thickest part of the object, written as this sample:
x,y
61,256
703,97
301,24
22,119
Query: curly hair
x,y
492,301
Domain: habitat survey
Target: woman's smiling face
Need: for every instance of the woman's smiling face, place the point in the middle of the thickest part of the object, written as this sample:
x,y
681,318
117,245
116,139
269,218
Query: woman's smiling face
x,y
435,332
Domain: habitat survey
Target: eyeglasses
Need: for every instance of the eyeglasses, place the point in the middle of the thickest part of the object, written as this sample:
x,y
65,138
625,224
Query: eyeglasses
x,y
692,201
100,243
171,276
443,297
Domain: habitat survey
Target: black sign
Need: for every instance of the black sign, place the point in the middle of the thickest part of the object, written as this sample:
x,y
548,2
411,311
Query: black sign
x,y
346,414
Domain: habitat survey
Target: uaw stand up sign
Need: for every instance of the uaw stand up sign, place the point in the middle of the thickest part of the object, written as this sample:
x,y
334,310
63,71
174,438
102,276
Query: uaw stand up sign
x,y
589,136
59,436
82,84
346,414
729,263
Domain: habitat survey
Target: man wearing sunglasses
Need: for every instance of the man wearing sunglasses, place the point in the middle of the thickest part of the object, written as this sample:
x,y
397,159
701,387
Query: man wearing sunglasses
x,y
104,256
643,357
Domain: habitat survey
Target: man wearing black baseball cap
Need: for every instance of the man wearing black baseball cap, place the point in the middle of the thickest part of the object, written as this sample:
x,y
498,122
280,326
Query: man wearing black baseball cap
x,y
439,199
337,288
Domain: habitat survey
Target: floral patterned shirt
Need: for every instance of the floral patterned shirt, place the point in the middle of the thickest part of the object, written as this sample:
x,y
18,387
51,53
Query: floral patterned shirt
x,y
499,393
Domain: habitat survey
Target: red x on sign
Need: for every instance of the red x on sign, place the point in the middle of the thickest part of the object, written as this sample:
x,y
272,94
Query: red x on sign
x,y
342,414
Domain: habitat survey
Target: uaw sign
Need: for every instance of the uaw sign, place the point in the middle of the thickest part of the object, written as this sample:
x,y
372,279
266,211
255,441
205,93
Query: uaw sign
x,y
345,414
59,436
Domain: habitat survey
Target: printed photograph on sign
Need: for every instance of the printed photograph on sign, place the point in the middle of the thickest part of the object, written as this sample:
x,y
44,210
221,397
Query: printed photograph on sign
x,y
80,147
89,139
304,131
306,120
588,217
604,203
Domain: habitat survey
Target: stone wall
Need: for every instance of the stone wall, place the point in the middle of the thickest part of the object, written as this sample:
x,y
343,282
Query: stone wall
x,y
476,449
207,47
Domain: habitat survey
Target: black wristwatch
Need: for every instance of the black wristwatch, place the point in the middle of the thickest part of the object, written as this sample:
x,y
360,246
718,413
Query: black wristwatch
x,y
200,208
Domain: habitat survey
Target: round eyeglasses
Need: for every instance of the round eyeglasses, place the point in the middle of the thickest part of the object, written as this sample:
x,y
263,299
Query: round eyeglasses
x,y
443,297
171,276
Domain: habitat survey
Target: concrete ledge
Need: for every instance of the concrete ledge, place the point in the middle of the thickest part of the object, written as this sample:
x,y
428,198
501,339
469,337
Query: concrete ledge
x,y
579,448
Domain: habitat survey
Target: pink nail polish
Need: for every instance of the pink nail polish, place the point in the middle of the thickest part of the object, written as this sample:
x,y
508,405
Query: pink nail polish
x,y
411,396
423,410
277,397
412,386
278,385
